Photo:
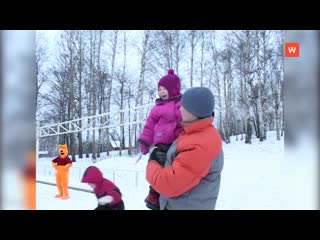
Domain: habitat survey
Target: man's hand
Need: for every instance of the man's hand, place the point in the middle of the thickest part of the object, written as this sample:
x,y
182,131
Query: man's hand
x,y
160,157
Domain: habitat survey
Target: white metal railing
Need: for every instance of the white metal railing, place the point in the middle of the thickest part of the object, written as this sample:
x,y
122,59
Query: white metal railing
x,y
100,121
96,122
76,173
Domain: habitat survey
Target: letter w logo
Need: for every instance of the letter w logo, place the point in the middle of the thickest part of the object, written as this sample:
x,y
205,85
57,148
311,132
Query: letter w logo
x,y
292,50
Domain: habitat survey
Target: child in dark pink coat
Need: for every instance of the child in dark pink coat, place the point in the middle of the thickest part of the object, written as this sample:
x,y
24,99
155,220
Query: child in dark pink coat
x,y
107,193
163,124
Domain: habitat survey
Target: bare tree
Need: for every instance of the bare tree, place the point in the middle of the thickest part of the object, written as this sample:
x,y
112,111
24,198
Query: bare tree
x,y
179,47
113,44
130,130
215,81
88,88
102,80
166,48
141,85
194,37
202,34
41,76
67,59
122,92
276,73
71,77
93,42
79,78
64,74
259,93
244,54
99,80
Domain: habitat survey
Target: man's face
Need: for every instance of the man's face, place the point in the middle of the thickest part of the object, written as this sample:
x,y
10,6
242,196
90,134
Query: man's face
x,y
186,116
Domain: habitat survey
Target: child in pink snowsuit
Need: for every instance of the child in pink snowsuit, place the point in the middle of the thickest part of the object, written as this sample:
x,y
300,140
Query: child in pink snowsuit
x,y
163,124
108,194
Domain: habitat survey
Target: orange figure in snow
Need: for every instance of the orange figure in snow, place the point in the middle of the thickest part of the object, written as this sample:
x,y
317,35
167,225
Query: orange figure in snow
x,y
62,165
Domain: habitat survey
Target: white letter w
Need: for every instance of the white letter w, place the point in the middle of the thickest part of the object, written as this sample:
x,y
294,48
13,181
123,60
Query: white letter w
x,y
292,49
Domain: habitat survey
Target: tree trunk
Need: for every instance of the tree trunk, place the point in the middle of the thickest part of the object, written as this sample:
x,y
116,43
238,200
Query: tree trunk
x,y
141,78
109,90
192,58
248,132
129,119
93,91
80,95
71,93
226,106
122,92
99,81
201,63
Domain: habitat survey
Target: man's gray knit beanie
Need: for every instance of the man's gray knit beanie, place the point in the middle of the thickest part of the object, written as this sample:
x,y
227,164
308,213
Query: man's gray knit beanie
x,y
199,101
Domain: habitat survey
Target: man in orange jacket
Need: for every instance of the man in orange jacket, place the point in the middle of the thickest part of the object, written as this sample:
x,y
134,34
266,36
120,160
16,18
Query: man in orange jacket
x,y
188,176
62,165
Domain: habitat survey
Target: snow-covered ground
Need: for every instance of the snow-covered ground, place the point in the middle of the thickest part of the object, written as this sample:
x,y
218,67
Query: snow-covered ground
x,y
255,176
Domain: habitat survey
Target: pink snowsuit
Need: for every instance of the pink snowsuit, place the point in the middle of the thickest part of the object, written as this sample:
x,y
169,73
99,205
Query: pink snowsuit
x,y
163,124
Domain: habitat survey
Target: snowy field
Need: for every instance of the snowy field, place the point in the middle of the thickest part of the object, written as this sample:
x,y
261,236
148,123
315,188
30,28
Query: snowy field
x,y
255,176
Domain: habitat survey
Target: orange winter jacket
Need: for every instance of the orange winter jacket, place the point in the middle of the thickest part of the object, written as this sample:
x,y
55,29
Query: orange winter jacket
x,y
189,161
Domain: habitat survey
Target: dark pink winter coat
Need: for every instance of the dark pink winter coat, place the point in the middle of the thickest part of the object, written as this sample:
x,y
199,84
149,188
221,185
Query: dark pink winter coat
x,y
163,124
104,187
